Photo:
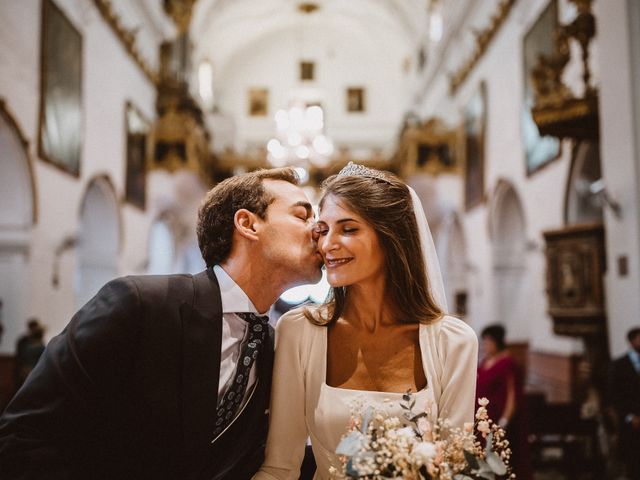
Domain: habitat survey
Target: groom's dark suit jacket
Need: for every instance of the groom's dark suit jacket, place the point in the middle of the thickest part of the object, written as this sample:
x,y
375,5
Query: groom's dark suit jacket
x,y
129,390
624,389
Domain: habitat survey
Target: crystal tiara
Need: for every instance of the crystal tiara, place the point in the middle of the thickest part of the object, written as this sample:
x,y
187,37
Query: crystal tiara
x,y
355,170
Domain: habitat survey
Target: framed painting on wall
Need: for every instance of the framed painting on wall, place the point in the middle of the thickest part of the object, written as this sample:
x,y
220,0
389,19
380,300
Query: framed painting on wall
x,y
60,126
137,132
258,102
307,70
355,99
539,40
475,121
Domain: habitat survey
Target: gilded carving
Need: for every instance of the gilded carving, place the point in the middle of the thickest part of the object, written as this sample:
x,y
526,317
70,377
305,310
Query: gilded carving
x,y
557,111
180,12
177,141
575,269
126,36
429,147
483,39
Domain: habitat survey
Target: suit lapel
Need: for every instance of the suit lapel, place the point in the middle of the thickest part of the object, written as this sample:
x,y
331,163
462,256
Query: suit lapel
x,y
632,372
201,346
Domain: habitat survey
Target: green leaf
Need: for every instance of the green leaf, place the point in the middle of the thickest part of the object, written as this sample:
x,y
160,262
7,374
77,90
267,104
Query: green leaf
x,y
487,475
485,471
366,418
488,447
497,465
471,459
350,471
350,444
417,417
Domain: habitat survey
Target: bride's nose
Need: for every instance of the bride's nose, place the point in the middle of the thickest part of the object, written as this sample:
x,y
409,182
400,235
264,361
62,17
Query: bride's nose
x,y
327,242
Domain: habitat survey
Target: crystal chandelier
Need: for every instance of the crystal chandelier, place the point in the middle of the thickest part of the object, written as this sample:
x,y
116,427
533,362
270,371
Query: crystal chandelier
x,y
300,140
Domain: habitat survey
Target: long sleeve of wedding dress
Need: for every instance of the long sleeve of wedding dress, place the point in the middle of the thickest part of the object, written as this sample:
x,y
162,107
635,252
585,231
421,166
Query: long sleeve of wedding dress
x,y
453,348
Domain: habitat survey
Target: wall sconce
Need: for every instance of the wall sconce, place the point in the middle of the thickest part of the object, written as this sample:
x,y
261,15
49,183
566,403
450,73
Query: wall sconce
x,y
598,190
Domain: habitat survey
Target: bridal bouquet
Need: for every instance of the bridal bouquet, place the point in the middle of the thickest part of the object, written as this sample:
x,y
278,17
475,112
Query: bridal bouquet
x,y
378,446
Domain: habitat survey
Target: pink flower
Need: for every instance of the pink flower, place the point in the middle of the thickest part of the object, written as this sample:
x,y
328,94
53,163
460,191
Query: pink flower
x,y
482,413
423,425
483,427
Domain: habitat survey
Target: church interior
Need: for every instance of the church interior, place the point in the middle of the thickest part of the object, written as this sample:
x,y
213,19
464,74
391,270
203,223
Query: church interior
x,y
517,122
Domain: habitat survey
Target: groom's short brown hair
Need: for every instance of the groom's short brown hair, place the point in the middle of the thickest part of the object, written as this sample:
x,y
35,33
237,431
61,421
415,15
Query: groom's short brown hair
x,y
215,216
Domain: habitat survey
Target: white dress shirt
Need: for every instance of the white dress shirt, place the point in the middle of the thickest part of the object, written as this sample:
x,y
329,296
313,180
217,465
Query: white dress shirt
x,y
234,331
635,360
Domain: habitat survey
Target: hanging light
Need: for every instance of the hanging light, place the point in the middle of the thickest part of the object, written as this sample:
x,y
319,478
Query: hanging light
x,y
300,138
435,22
205,83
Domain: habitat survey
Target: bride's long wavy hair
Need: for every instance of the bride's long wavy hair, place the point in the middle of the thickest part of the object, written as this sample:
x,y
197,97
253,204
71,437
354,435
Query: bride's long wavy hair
x,y
385,203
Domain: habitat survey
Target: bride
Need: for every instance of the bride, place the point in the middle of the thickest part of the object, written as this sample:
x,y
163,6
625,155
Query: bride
x,y
382,331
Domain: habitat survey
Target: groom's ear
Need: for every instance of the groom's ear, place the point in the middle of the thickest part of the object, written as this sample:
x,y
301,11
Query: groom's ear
x,y
244,222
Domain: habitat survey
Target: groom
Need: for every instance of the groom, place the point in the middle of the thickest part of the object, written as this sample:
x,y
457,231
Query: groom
x,y
168,377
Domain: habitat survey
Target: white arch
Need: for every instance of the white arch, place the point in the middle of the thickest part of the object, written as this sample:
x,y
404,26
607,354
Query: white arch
x,y
98,239
452,251
16,219
161,248
508,234
16,208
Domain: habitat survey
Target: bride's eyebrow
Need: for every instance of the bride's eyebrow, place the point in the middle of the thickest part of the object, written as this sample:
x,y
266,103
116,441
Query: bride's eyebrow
x,y
343,220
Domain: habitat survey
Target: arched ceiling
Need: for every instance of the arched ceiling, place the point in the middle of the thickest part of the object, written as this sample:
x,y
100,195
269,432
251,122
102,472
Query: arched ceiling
x,y
223,29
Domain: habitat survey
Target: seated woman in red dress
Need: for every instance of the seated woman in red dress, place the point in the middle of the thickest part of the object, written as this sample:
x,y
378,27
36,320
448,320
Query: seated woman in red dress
x,y
500,381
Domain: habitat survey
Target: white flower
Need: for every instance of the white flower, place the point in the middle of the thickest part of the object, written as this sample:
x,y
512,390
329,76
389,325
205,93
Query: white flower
x,y
483,402
407,433
423,425
483,427
423,452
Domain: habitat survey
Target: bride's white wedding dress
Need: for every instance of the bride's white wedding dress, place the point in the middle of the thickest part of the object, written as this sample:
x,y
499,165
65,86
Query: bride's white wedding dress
x,y
303,405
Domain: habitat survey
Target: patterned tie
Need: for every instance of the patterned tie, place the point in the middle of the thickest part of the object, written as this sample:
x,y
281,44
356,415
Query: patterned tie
x,y
232,398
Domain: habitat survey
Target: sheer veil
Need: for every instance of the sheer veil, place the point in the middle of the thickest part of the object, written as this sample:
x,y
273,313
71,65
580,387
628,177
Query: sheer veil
x,y
434,274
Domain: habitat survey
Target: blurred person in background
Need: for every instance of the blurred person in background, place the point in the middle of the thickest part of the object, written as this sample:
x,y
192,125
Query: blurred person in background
x,y
29,347
1,325
500,381
624,391
3,393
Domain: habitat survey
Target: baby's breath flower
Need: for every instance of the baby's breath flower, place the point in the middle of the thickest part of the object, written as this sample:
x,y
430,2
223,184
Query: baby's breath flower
x,y
399,447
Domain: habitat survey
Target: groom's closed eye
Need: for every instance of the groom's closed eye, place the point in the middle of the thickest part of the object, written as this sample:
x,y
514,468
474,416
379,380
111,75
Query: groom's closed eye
x,y
303,211
320,228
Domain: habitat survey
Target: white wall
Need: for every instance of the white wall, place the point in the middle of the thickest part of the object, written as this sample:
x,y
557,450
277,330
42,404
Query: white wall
x,y
342,61
619,27
110,78
542,193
